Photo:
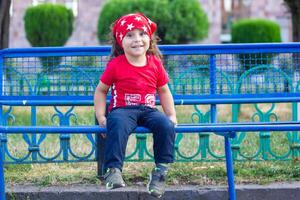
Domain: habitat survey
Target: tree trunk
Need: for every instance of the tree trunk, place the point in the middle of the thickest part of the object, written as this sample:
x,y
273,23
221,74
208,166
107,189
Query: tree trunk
x,y
294,7
4,23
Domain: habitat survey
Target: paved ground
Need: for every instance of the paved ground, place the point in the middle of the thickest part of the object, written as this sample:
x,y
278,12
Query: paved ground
x,y
278,191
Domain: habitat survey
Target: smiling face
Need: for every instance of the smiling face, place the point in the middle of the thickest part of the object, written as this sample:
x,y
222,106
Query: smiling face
x,y
135,44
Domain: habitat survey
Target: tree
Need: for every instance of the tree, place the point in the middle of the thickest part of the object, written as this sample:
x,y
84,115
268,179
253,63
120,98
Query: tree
x,y
48,25
255,31
4,23
177,21
189,22
156,10
294,7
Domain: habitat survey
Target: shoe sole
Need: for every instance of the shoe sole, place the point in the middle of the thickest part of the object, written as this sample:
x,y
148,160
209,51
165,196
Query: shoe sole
x,y
113,186
152,192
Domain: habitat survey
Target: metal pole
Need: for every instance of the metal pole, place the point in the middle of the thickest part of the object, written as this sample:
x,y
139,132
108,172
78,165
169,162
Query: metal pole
x,y
2,179
100,150
213,87
229,167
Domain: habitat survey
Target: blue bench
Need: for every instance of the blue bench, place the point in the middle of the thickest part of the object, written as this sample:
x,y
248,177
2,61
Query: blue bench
x,y
187,90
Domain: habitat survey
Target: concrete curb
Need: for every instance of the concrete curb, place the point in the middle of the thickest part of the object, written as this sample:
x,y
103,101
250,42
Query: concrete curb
x,y
278,191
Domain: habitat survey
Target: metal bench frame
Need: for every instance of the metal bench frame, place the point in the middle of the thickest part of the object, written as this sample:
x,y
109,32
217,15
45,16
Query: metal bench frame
x,y
227,130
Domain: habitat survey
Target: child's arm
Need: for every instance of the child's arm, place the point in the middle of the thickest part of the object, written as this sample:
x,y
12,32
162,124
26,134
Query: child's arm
x,y
100,103
167,102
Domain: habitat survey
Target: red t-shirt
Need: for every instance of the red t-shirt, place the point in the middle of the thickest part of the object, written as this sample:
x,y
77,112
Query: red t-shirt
x,y
131,85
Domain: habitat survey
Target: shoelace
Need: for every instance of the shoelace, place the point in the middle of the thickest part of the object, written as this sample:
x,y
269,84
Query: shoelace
x,y
110,172
157,175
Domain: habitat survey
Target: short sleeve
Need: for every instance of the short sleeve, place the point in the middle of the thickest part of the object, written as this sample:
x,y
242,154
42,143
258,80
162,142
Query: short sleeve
x,y
108,75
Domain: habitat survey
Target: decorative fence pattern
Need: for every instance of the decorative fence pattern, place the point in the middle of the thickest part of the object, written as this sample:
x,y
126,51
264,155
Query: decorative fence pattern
x,y
65,79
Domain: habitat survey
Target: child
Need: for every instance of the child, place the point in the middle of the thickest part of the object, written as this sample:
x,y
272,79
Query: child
x,y
134,73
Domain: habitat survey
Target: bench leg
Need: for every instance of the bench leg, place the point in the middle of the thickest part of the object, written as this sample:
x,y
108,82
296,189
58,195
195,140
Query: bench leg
x,y
229,167
2,180
100,145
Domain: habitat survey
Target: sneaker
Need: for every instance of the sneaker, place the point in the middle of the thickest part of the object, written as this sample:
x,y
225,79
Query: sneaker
x,y
113,179
156,185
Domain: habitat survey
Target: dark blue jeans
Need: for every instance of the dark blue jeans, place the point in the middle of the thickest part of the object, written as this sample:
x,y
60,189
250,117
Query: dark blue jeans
x,y
122,121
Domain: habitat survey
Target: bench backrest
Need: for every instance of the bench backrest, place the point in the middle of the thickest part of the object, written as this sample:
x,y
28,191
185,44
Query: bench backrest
x,y
200,73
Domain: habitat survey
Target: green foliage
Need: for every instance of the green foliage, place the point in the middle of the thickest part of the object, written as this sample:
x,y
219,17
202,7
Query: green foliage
x,y
9,64
189,24
49,62
48,25
85,61
255,31
156,10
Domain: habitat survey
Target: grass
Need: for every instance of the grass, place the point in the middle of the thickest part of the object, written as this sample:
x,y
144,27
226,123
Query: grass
x,y
136,174
51,174
197,173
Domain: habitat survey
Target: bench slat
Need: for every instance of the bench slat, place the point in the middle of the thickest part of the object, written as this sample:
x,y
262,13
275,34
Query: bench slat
x,y
184,128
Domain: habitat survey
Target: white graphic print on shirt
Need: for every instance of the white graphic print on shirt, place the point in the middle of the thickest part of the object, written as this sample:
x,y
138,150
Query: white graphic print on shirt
x,y
132,99
150,100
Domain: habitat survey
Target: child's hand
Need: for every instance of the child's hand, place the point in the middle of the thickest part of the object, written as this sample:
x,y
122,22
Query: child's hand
x,y
102,123
173,119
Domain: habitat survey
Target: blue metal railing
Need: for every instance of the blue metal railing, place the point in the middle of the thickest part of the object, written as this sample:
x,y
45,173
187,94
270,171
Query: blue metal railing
x,y
227,130
199,74
25,74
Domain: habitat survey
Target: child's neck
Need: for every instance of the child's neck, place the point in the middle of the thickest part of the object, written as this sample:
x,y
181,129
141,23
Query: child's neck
x,y
138,61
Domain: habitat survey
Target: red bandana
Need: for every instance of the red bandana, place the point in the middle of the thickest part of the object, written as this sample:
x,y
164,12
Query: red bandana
x,y
130,22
